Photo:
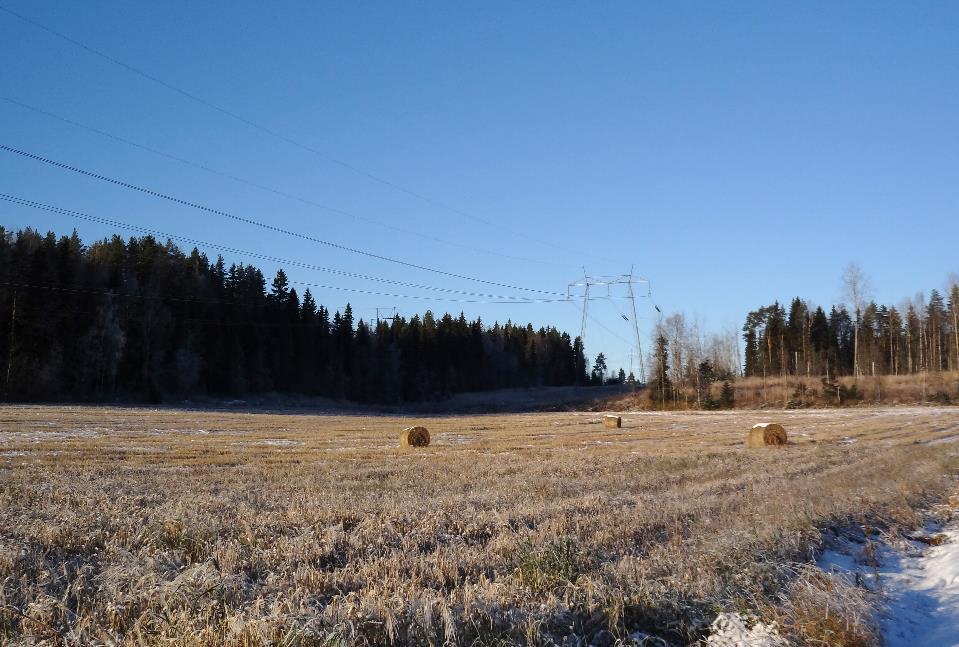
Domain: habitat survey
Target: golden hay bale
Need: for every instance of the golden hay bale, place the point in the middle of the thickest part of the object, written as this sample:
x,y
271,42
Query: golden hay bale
x,y
613,422
766,433
415,437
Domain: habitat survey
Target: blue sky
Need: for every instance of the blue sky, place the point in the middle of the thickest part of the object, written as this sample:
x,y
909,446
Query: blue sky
x,y
736,153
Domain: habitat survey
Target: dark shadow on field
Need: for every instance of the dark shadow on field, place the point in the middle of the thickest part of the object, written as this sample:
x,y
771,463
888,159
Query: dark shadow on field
x,y
520,400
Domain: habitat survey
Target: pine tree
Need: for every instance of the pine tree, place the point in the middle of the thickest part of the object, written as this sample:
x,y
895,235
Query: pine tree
x,y
308,308
819,337
279,291
706,375
661,388
579,362
936,318
954,312
598,374
727,396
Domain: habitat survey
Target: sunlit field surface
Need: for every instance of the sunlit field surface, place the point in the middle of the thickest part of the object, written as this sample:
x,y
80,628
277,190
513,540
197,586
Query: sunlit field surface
x,y
179,527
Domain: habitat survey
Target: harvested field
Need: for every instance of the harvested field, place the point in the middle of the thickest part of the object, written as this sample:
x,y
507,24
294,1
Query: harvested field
x,y
188,527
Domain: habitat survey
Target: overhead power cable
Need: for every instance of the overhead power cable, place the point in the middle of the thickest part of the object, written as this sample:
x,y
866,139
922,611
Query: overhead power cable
x,y
263,225
82,290
270,189
241,252
426,298
70,288
483,298
597,321
276,134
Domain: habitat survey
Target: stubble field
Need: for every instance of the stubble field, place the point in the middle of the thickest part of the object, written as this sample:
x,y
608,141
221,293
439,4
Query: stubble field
x,y
180,527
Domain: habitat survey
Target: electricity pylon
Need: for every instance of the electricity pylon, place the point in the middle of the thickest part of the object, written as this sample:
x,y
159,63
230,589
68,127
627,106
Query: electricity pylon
x,y
623,283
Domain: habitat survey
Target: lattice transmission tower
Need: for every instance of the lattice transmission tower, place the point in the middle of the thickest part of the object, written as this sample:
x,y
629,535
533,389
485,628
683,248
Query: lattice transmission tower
x,y
616,287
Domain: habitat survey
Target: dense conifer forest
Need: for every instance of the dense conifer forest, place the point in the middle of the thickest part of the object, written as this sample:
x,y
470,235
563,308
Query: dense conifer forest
x,y
919,335
141,320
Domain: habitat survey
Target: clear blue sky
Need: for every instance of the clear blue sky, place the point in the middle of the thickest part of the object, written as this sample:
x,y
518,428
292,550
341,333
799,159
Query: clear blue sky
x,y
737,153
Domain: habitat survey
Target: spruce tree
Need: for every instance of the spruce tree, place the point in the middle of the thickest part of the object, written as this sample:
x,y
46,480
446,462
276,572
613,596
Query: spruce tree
x,y
661,387
727,395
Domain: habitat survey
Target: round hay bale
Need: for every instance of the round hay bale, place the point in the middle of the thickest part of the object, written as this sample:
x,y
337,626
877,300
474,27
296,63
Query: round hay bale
x,y
766,433
613,422
415,437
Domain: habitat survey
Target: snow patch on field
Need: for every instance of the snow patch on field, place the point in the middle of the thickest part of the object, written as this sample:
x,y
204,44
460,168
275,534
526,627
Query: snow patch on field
x,y
273,442
919,586
164,432
42,436
734,629
456,439
924,609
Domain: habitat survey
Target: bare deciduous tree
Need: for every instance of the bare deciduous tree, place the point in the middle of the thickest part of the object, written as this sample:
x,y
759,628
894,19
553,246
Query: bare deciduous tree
x,y
855,290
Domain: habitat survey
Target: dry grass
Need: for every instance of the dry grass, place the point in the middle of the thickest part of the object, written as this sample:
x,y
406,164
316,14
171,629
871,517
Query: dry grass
x,y
931,388
136,526
792,392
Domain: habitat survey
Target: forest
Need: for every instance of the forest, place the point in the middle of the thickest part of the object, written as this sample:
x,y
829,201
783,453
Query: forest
x,y
856,338
874,339
140,320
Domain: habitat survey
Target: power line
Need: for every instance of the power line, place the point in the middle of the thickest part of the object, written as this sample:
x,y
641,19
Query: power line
x,y
491,298
69,288
81,290
242,252
426,298
273,133
256,223
597,321
269,189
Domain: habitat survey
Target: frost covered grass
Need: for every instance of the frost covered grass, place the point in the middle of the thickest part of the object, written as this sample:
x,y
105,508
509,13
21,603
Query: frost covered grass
x,y
191,527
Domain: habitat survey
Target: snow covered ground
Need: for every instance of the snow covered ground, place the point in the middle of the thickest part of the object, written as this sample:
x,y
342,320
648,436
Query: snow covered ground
x,y
734,630
918,583
924,596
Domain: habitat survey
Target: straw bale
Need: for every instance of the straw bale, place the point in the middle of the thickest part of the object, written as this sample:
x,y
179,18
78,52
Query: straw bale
x,y
766,433
415,437
613,422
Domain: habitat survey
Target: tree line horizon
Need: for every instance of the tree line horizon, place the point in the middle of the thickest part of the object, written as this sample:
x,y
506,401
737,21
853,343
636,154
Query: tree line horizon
x,y
138,319
860,337
141,320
